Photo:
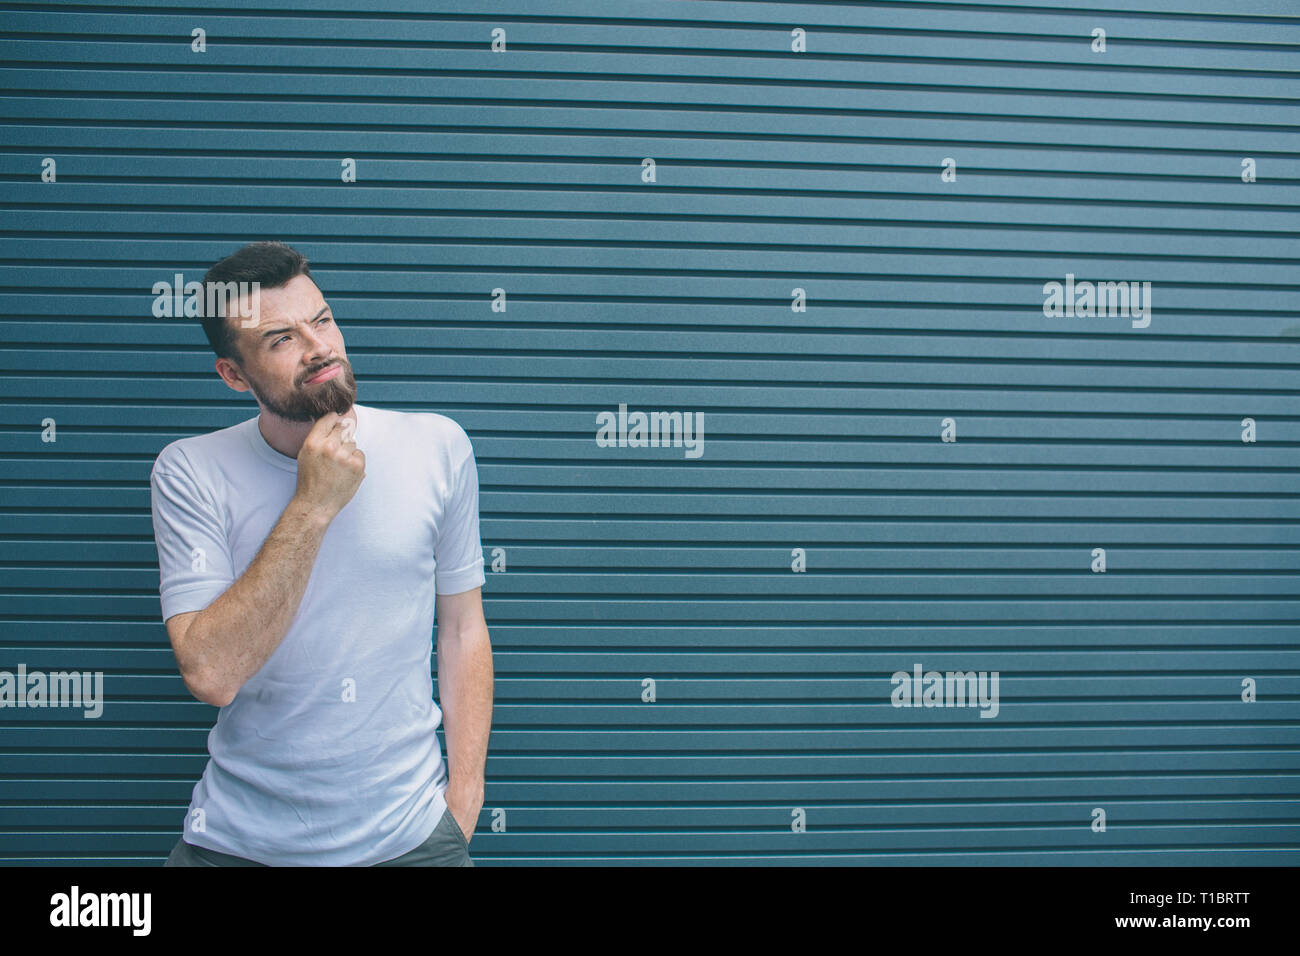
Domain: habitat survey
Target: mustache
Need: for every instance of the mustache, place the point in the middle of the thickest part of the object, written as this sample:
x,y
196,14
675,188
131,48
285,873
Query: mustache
x,y
312,374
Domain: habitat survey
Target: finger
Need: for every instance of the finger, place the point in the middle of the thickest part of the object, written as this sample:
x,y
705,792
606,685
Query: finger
x,y
338,431
326,423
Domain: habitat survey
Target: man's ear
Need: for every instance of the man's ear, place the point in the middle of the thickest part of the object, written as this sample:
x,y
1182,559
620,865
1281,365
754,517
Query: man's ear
x,y
231,375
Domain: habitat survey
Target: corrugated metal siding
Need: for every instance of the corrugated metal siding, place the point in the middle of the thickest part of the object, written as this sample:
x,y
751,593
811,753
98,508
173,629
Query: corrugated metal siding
x,y
775,170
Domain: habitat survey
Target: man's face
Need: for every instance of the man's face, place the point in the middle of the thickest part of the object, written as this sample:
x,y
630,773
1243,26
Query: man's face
x,y
293,342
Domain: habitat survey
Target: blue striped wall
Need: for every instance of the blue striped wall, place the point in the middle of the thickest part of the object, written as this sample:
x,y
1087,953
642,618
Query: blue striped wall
x,y
772,737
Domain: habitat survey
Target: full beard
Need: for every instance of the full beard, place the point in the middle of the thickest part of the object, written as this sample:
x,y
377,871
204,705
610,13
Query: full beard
x,y
311,402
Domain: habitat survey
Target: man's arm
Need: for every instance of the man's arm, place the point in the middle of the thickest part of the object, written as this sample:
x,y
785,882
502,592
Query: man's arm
x,y
465,689
219,648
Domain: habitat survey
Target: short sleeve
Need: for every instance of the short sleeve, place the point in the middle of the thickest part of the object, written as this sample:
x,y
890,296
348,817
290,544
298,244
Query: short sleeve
x,y
458,554
194,563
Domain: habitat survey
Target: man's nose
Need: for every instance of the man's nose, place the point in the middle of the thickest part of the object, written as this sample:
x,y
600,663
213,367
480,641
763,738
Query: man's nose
x,y
316,343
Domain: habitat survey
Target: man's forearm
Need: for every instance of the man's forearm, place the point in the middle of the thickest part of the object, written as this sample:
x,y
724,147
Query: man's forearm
x,y
465,688
230,640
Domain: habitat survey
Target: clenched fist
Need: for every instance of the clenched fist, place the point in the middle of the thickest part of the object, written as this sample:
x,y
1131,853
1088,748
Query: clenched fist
x,y
330,465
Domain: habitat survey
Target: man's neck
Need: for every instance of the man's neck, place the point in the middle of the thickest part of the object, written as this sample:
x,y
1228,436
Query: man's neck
x,y
287,437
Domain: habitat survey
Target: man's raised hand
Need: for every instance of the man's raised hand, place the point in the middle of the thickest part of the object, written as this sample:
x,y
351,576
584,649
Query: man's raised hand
x,y
330,465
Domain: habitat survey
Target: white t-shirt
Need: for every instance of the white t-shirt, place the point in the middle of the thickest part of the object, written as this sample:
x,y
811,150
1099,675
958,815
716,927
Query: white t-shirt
x,y
327,755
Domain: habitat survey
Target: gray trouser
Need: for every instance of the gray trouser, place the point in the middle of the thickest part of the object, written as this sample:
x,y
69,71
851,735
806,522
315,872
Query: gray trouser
x,y
445,846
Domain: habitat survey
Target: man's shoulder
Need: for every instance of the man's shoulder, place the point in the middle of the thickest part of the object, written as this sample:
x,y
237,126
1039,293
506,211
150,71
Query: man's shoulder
x,y
428,426
190,454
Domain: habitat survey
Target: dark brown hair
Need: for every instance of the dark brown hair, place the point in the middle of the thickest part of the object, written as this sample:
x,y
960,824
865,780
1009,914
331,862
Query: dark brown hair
x,y
271,264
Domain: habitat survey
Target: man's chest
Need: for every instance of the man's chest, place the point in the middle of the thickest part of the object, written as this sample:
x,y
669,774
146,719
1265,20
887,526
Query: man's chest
x,y
388,529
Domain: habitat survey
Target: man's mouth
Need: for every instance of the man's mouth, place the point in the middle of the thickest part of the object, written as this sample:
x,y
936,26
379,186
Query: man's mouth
x,y
324,375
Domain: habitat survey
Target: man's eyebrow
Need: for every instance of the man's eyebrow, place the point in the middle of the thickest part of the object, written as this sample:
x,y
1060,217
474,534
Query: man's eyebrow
x,y
289,328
